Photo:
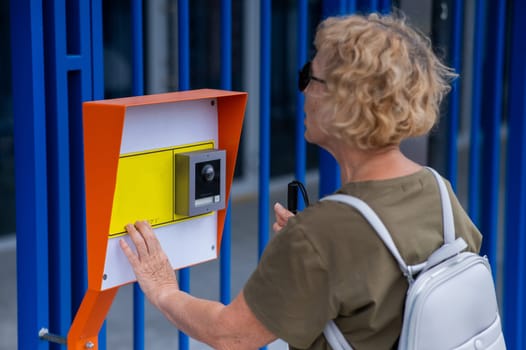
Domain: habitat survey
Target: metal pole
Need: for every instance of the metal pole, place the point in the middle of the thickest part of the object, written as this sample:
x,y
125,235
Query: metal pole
x,y
515,246
264,125
300,145
30,171
137,90
454,102
59,124
183,20
476,108
491,124
226,84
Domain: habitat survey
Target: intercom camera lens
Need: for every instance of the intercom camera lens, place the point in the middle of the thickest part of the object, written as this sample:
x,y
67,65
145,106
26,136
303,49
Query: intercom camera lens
x,y
208,172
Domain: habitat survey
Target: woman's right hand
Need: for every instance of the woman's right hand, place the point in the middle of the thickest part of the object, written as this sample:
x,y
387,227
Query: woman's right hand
x,y
282,216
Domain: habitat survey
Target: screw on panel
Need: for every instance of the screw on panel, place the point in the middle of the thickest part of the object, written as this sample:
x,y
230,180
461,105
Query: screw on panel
x,y
212,102
89,345
213,247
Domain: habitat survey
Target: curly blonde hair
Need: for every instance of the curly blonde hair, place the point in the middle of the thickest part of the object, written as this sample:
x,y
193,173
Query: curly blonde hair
x,y
384,83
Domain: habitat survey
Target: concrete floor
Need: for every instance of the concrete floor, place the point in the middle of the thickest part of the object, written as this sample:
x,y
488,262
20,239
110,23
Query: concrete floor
x,y
160,334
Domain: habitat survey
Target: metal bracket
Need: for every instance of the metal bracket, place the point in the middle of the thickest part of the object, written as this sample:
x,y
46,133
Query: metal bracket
x,y
50,337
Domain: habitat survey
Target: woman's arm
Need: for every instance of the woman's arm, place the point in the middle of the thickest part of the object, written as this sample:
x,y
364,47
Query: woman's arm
x,y
223,327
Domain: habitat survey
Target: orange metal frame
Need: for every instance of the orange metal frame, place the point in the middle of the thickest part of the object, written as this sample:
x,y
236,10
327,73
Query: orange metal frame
x,y
103,124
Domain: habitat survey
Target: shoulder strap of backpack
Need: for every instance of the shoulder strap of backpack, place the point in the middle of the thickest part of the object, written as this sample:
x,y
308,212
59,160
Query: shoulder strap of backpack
x,y
447,211
375,222
451,246
379,227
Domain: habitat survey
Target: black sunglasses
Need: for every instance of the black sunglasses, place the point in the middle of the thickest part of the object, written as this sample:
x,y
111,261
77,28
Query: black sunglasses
x,y
305,76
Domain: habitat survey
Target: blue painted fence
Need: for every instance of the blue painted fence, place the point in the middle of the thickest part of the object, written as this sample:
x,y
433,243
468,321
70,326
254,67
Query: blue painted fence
x,y
58,64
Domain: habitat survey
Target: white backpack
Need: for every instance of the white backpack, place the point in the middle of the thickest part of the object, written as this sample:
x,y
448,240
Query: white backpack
x,y
451,303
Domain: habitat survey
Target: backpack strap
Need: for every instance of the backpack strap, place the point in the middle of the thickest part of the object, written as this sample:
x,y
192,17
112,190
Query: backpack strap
x,y
441,254
335,337
376,223
447,211
450,247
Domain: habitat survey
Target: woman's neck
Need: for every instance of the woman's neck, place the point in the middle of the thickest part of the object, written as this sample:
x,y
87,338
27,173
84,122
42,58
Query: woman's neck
x,y
386,163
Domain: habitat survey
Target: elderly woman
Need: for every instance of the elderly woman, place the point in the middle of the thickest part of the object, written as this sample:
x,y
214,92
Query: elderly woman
x,y
373,82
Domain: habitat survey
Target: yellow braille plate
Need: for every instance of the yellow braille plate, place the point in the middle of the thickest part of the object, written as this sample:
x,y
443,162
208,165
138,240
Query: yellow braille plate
x,y
145,187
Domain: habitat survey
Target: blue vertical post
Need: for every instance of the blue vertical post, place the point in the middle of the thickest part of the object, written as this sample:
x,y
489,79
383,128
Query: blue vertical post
x,y
476,111
515,245
30,171
183,20
300,145
264,125
454,101
226,84
491,125
225,260
58,158
384,6
76,67
373,6
137,90
97,54
351,6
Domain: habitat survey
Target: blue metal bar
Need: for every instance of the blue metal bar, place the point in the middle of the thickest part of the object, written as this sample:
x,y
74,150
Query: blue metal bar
x,y
137,89
351,6
515,245
183,18
373,6
183,21
226,44
138,317
58,158
343,7
73,62
97,55
226,84
137,48
225,260
333,7
264,125
300,145
491,124
79,89
476,110
30,171
454,101
385,6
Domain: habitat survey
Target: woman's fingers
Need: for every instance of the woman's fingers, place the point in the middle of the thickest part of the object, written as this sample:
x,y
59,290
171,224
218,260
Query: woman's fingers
x,y
138,241
130,254
282,216
152,243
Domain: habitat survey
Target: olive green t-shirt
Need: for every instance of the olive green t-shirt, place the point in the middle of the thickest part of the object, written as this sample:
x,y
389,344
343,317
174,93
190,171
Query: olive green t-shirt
x,y
328,263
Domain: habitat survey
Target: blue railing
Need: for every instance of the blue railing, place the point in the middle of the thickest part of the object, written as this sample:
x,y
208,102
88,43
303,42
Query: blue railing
x,y
55,71
137,90
515,232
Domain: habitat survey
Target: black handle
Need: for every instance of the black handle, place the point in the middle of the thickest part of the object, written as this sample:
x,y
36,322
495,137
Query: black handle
x,y
292,197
